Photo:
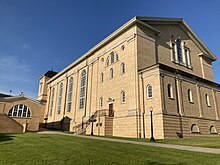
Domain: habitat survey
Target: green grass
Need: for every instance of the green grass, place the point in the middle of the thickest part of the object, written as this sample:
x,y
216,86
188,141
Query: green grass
x,y
33,148
209,142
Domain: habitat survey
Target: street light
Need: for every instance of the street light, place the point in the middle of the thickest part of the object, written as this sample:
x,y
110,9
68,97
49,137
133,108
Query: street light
x,y
152,131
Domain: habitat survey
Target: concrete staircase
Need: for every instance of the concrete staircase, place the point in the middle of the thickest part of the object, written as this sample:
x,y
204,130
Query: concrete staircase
x,y
9,125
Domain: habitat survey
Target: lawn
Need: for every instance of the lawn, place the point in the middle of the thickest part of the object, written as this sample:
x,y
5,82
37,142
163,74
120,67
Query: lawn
x,y
209,142
33,148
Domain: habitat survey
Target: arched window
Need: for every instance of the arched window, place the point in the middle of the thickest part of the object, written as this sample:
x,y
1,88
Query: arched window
x,y
112,57
51,102
170,91
101,77
179,50
123,97
149,91
189,92
194,128
111,73
70,94
82,90
100,102
212,130
122,68
19,110
207,100
60,98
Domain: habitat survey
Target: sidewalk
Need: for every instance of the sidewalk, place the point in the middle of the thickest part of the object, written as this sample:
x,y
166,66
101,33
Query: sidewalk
x,y
153,144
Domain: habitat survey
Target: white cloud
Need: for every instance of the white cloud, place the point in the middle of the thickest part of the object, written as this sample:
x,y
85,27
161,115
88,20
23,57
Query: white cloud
x,y
26,46
14,69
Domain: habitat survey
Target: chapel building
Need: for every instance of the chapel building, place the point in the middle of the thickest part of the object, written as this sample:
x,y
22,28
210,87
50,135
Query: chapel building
x,y
148,65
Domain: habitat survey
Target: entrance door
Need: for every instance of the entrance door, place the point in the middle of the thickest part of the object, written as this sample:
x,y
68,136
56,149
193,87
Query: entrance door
x,y
111,112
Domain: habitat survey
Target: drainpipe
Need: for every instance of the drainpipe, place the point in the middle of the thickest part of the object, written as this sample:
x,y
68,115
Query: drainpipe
x,y
177,101
142,81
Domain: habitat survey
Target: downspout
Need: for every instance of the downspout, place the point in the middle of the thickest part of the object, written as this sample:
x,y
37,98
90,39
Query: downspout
x,y
142,81
177,101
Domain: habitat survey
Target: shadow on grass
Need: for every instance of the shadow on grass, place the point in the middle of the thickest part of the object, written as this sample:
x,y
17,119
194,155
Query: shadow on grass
x,y
5,137
159,163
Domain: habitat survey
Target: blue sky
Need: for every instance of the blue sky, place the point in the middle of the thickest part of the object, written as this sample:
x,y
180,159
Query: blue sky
x,y
39,35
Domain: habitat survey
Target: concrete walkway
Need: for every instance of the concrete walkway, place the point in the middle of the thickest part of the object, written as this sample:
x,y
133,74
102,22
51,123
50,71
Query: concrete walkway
x,y
153,144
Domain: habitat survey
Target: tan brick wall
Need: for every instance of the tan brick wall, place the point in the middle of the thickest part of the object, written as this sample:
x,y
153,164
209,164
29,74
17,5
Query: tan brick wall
x,y
142,49
37,111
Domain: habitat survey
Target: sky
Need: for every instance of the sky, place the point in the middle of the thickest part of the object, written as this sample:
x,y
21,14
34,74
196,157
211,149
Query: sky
x,y
40,35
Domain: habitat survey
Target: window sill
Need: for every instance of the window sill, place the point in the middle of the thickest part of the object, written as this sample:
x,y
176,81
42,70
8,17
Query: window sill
x,y
182,64
191,102
149,98
171,98
111,63
209,106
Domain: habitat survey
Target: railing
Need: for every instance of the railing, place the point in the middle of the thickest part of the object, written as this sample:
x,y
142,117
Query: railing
x,y
79,128
104,112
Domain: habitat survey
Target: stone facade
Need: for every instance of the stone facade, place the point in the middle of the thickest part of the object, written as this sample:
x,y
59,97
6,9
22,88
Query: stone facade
x,y
111,82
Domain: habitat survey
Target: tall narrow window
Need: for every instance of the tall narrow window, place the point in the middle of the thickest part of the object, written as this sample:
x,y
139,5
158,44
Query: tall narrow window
x,y
111,73
179,50
122,68
70,94
51,102
173,52
60,98
187,56
100,102
101,77
123,97
207,100
149,91
112,57
170,91
82,90
189,96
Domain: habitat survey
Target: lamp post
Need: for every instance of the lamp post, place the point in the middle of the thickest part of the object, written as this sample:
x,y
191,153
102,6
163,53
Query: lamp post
x,y
151,123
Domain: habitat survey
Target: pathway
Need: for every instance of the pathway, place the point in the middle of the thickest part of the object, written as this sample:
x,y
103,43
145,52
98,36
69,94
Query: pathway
x,y
153,144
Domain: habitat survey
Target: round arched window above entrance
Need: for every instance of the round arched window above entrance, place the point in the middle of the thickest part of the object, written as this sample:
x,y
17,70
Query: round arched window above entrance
x,y
19,110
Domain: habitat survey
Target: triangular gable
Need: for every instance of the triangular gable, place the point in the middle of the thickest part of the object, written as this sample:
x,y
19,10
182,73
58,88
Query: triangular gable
x,y
185,27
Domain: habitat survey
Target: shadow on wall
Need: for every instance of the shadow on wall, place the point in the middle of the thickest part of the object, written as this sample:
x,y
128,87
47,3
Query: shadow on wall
x,y
63,124
5,137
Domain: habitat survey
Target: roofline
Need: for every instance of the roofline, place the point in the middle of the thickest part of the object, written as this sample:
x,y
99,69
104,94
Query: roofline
x,y
103,42
200,41
19,97
138,20
180,20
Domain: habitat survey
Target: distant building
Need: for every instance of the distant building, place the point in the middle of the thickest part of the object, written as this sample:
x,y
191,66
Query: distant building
x,y
21,113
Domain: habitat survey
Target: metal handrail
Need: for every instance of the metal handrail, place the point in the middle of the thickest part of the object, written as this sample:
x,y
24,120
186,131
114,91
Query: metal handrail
x,y
98,113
